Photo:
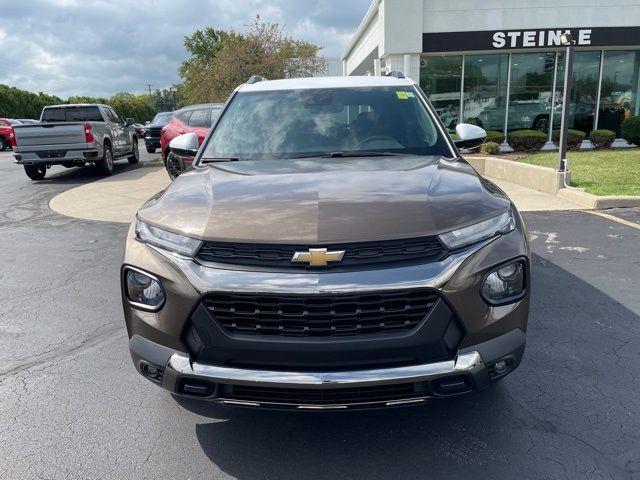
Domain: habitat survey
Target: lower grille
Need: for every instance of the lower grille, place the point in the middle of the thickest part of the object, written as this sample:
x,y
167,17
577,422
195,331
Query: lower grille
x,y
320,315
303,396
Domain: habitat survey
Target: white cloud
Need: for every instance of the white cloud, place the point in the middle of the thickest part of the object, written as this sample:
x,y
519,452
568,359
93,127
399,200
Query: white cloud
x,y
98,47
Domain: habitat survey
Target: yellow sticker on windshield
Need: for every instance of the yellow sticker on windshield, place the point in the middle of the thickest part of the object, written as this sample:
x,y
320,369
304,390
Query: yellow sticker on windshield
x,y
402,95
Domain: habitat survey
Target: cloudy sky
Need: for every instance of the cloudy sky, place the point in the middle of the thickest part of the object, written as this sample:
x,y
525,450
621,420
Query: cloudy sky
x,y
98,47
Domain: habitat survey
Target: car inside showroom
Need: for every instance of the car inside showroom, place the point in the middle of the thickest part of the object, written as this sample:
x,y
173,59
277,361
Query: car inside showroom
x,y
502,66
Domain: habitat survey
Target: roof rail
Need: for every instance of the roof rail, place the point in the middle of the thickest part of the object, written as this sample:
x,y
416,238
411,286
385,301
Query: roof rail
x,y
395,73
255,79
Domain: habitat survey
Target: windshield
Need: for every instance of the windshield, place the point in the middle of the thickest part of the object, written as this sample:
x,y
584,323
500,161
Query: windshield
x,y
302,123
162,117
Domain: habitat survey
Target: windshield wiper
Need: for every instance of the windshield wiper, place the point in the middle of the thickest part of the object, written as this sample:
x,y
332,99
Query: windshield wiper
x,y
359,153
353,153
219,159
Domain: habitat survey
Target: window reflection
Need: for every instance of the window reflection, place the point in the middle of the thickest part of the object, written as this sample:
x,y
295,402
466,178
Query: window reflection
x,y
531,91
619,93
485,89
441,80
582,106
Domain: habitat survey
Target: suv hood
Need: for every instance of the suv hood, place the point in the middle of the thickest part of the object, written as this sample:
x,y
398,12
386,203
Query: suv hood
x,y
323,201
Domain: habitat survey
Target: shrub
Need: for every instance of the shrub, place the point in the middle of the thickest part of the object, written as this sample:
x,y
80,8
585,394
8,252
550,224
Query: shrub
x,y
574,138
601,139
526,140
494,136
631,130
490,148
473,121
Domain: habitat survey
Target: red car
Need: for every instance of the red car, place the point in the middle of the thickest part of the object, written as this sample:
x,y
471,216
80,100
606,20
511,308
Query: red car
x,y
197,119
6,134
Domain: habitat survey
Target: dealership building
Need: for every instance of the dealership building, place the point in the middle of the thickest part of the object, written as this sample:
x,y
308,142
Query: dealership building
x,y
500,63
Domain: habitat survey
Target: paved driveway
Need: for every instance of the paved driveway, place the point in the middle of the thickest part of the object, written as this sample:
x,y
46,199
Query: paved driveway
x,y
72,406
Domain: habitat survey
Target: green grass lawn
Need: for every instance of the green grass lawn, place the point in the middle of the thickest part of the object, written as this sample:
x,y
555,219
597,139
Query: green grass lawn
x,y
601,172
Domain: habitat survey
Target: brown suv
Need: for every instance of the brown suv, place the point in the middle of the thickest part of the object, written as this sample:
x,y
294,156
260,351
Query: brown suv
x,y
330,249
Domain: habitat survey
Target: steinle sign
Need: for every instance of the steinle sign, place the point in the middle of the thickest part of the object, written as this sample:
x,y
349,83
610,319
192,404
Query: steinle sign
x,y
537,38
491,40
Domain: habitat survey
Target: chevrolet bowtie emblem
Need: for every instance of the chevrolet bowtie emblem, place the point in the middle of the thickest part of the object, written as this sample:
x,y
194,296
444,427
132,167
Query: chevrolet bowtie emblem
x,y
318,257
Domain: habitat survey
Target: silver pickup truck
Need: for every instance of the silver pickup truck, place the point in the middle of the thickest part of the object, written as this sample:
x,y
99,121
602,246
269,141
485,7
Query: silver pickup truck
x,y
75,135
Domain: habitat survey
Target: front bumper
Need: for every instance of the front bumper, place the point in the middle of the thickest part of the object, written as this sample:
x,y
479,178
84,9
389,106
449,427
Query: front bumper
x,y
472,369
152,142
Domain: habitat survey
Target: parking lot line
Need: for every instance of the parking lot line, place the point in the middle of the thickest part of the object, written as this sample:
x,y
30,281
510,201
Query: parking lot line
x,y
614,218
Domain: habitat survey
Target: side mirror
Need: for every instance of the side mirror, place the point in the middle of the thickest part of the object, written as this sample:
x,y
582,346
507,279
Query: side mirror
x,y
129,121
469,136
185,145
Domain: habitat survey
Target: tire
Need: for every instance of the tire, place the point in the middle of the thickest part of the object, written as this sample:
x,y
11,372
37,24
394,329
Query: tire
x,y
35,172
174,165
151,150
541,124
3,144
105,167
135,158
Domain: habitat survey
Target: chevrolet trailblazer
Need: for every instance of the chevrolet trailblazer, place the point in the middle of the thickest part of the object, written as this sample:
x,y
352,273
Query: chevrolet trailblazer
x,y
330,249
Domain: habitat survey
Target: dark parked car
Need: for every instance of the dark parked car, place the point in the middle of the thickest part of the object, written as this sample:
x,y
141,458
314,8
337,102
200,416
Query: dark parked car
x,y
329,249
153,130
139,129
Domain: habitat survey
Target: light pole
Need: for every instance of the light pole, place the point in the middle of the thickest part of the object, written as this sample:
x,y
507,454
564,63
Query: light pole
x,y
174,90
568,42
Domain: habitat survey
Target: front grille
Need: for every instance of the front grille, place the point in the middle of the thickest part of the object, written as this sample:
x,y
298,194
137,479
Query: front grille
x,y
320,315
302,396
153,132
416,250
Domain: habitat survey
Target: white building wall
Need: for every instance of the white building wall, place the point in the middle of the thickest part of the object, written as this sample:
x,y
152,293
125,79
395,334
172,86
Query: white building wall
x,y
367,42
472,15
395,27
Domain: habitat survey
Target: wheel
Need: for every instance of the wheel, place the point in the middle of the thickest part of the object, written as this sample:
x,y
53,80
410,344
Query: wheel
x,y
105,167
541,124
3,144
175,165
35,172
135,158
151,150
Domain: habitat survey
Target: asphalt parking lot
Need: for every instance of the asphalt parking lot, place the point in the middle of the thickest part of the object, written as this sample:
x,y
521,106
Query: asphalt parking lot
x,y
72,405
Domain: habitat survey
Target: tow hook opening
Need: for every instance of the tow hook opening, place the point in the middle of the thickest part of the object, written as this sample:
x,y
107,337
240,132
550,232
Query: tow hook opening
x,y
196,388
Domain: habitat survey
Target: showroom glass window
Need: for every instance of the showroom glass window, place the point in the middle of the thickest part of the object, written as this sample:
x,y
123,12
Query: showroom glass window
x,y
441,79
485,90
619,95
582,107
531,91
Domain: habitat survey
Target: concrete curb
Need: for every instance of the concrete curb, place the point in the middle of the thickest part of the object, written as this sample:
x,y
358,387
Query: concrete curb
x,y
597,202
543,179
547,180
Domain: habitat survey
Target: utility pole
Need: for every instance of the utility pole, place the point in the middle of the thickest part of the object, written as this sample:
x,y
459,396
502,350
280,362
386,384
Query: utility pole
x,y
567,41
174,90
149,86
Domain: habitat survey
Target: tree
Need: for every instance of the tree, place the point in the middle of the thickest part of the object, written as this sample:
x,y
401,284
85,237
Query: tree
x,y
220,61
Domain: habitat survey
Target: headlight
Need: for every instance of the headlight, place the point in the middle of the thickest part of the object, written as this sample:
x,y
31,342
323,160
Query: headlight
x,y
167,240
480,231
505,284
143,290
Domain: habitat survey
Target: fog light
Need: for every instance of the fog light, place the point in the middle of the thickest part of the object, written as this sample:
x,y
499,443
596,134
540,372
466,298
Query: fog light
x,y
501,367
505,284
144,290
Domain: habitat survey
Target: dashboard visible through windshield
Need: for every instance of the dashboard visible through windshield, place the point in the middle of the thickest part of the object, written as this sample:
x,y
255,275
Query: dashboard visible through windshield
x,y
325,122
